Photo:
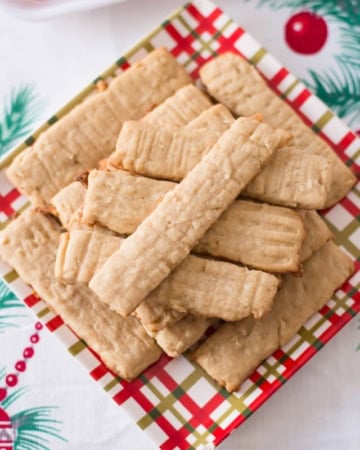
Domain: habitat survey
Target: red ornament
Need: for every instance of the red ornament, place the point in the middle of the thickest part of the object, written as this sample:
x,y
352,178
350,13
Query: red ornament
x,y
34,339
38,326
11,380
28,352
20,366
306,33
3,394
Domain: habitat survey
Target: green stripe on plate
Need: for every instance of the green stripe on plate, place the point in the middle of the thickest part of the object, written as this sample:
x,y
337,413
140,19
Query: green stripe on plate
x,y
77,347
324,119
111,384
11,276
43,312
258,56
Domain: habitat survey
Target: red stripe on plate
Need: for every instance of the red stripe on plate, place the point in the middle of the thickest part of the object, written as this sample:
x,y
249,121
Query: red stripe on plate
x,y
31,300
279,77
55,323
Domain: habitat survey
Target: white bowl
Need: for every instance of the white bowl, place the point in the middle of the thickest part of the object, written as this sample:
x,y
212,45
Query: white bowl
x,y
45,9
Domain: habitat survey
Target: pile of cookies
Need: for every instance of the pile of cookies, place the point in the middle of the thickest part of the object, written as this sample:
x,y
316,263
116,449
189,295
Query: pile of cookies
x,y
159,211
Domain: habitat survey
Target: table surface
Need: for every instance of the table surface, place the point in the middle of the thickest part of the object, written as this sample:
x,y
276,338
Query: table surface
x,y
320,407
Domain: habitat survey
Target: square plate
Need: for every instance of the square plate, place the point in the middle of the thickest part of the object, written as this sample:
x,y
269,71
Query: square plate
x,y
174,401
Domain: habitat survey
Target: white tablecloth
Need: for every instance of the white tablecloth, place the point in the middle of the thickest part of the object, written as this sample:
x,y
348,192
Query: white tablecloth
x,y
318,409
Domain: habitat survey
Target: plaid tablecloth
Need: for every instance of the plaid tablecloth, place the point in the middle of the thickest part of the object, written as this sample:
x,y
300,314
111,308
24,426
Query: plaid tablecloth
x,y
42,65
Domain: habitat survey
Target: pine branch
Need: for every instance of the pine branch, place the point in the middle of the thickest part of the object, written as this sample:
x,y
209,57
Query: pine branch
x,y
8,300
11,398
34,428
340,90
20,112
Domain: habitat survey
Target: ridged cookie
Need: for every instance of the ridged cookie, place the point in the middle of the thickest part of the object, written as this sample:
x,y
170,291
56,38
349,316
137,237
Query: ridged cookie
x,y
235,83
236,349
166,237
29,245
88,133
274,235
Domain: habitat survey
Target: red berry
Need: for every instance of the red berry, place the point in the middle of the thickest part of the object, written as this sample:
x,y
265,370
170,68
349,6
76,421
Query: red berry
x,y
306,33
28,352
34,339
11,380
38,326
20,366
3,394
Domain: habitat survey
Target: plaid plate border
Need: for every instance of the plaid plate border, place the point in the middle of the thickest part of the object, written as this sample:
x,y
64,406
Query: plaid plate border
x,y
174,401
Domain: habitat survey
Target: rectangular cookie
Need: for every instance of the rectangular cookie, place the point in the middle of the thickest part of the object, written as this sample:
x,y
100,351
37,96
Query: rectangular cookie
x,y
167,235
235,83
236,349
88,133
141,143
179,109
161,152
274,235
293,178
219,289
180,336
317,233
81,253
217,118
29,245
67,201
119,201
258,235
200,286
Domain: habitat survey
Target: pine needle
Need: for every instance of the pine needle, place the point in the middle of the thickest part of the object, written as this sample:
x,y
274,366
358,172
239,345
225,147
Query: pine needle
x,y
8,301
21,110
340,90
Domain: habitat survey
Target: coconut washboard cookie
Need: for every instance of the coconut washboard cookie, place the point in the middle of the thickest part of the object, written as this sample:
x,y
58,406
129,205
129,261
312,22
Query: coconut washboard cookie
x,y
177,338
210,288
166,237
317,233
258,235
198,285
235,83
29,245
274,235
136,144
88,133
161,152
293,178
179,109
120,201
68,201
81,253
236,349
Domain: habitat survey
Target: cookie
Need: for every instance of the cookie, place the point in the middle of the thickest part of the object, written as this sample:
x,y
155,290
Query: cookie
x,y
219,289
81,253
67,201
236,349
179,109
161,152
179,337
294,178
167,235
274,235
235,83
88,133
29,245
